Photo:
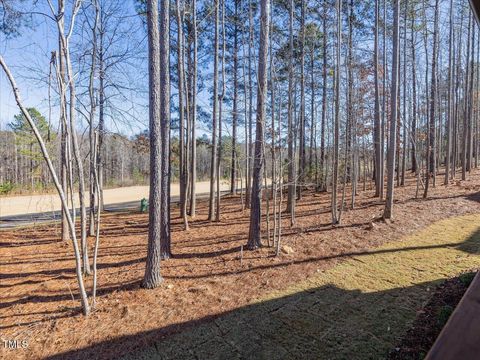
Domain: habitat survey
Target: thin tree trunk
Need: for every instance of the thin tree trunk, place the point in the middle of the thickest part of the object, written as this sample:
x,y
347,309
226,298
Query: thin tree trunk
x,y
324,103
450,97
387,214
233,172
193,196
336,136
213,164
301,173
65,39
291,158
433,94
220,115
58,186
377,125
181,116
404,136
165,247
413,135
91,92
465,111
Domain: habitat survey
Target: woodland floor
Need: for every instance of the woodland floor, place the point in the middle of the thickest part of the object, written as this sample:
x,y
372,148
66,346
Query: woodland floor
x,y
346,292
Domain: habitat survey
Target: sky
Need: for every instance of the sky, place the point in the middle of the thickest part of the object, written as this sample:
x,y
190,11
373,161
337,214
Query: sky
x,y
28,57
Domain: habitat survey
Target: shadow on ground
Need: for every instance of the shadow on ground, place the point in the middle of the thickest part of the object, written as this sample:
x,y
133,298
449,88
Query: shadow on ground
x,y
320,323
316,322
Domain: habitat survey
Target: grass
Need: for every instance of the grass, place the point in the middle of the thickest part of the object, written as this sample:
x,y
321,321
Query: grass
x,y
358,309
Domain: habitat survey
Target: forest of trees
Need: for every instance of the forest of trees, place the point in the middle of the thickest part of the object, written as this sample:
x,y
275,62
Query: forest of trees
x,y
126,159
339,96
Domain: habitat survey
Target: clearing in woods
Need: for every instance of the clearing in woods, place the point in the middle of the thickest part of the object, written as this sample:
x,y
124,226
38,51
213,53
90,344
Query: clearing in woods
x,y
355,288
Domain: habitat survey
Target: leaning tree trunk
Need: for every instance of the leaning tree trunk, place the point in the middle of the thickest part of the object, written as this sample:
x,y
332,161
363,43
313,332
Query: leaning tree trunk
x,y
58,185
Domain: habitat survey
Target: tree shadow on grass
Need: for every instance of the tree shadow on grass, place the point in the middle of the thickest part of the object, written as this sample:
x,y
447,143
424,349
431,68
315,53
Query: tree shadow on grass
x,y
319,323
472,244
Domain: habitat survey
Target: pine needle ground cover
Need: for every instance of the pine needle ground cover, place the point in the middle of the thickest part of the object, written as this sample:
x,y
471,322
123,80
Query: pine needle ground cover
x,y
207,280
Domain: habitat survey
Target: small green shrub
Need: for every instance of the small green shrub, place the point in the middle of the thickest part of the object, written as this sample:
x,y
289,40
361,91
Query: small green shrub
x,y
467,278
6,188
444,314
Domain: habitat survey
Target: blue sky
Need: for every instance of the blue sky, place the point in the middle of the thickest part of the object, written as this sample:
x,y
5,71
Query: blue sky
x,y
28,57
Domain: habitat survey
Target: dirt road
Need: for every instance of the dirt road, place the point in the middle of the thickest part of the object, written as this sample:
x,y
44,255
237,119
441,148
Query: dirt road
x,y
33,204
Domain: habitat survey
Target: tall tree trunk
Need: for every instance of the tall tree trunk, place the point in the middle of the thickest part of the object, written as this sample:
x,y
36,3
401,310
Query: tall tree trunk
x,y
336,136
248,171
101,110
63,128
220,115
254,238
233,172
377,125
465,101
449,97
350,159
470,103
413,135
323,170
433,94
165,248
193,195
384,101
213,164
291,157
91,92
152,277
65,39
387,214
313,124
404,125
301,173
181,116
